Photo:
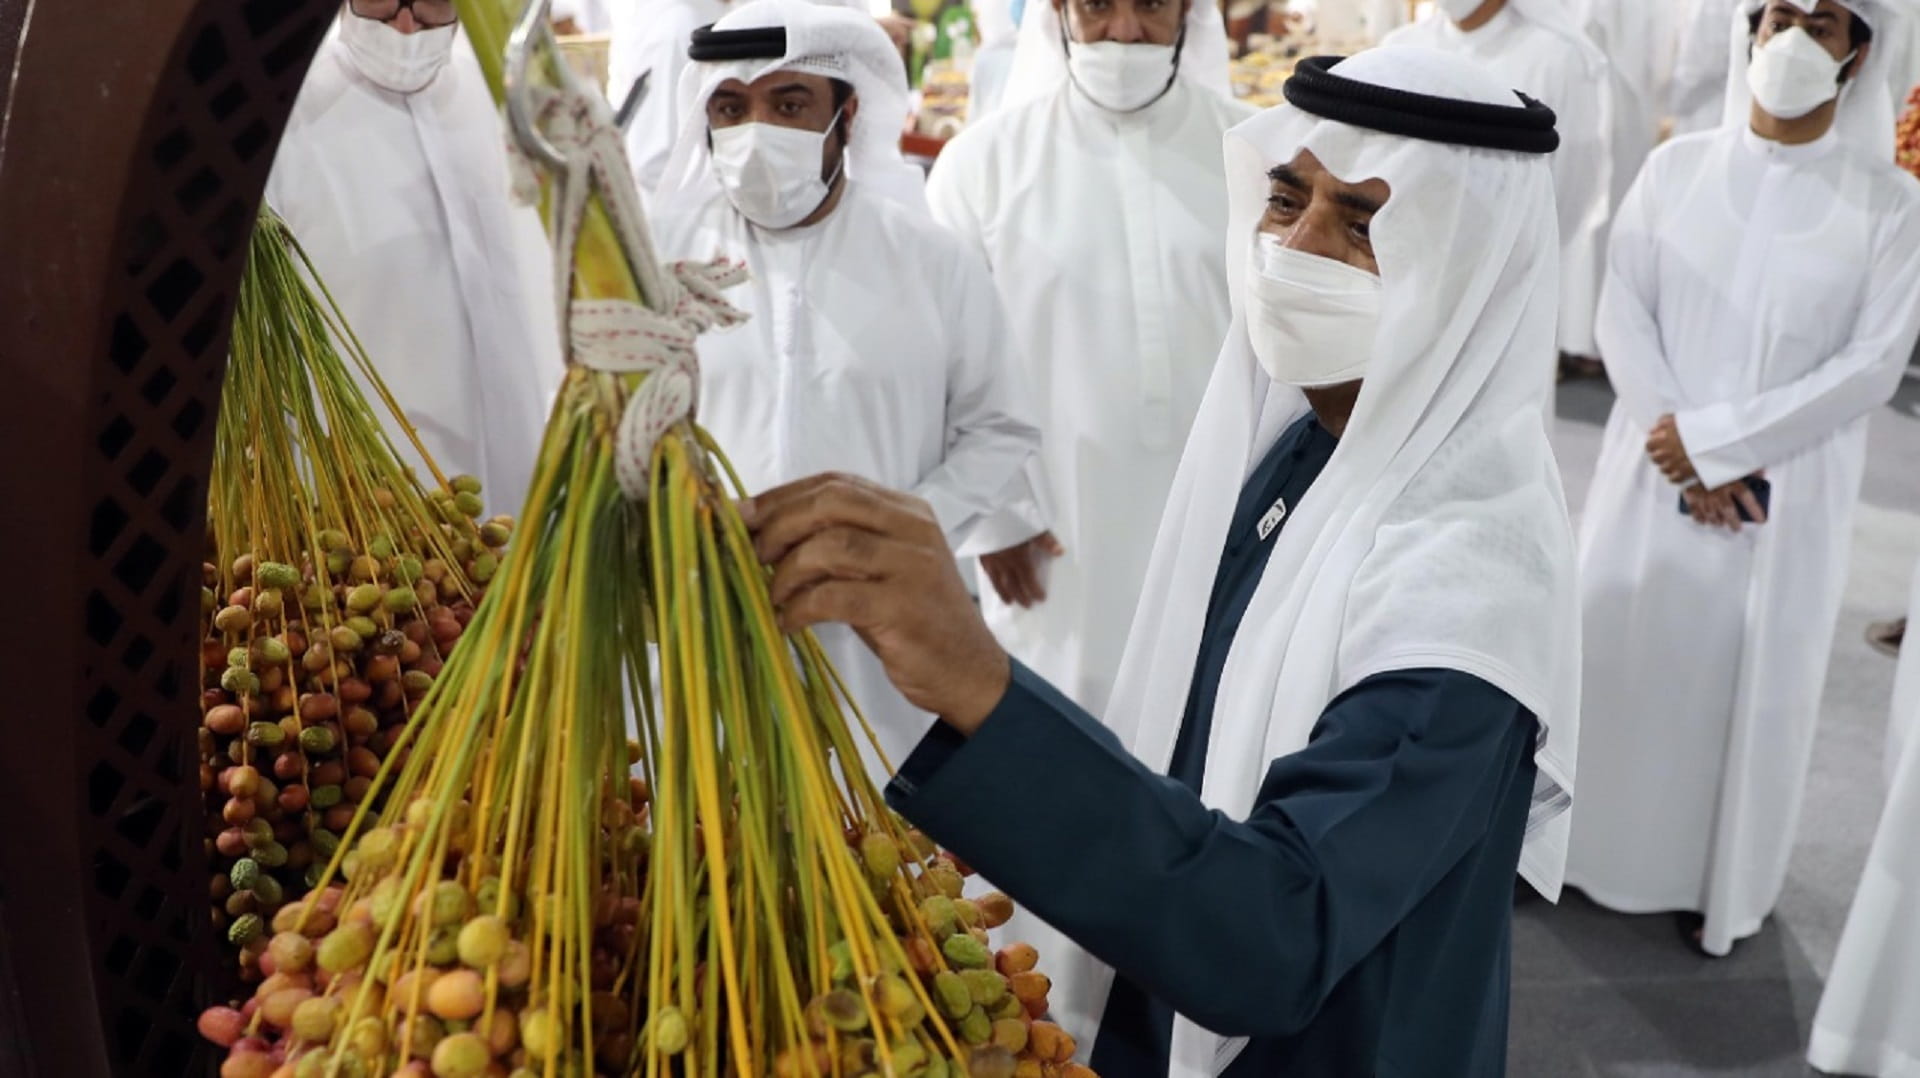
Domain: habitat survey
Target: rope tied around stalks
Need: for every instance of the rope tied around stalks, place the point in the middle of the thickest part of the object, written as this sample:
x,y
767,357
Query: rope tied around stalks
x,y
683,299
615,335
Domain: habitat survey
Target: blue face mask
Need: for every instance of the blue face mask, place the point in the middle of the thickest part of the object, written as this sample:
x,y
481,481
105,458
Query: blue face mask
x,y
1017,9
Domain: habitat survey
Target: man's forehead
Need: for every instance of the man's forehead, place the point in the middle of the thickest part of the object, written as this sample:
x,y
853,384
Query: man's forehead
x,y
776,82
1304,169
1833,8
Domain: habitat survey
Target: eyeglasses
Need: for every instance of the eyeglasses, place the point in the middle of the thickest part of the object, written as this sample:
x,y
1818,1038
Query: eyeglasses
x,y
430,14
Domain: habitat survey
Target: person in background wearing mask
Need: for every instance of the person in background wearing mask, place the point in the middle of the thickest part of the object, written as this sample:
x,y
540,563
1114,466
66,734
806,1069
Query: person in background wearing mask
x,y
1096,194
1349,705
1763,295
1869,1017
876,345
650,38
393,174
1538,48
1701,72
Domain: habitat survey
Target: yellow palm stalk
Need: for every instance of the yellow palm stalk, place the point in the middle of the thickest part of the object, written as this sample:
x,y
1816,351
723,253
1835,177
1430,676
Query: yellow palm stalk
x,y
748,907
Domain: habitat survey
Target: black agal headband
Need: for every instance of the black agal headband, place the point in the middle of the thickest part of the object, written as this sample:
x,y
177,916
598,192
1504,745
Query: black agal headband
x,y
1523,128
758,43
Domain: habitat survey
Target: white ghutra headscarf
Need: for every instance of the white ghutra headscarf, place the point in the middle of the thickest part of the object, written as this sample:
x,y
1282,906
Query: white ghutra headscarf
x,y
822,39
1437,535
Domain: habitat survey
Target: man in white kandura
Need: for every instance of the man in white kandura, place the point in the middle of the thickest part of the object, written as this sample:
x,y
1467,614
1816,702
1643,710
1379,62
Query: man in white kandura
x,y
1763,295
1097,195
393,175
1869,1017
876,345
1539,49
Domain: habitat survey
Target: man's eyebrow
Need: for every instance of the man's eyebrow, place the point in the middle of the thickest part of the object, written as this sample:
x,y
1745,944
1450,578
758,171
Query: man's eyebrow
x,y
793,87
1354,200
1285,174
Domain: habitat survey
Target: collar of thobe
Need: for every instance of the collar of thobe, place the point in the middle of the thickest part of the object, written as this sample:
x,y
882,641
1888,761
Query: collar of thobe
x,y
1783,154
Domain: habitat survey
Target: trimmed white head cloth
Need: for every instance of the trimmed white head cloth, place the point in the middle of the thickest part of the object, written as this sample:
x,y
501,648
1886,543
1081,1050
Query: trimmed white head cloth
x,y
822,39
1040,60
1437,536
1868,100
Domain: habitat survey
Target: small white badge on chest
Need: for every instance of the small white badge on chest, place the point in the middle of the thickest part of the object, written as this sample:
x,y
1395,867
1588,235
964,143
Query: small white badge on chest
x,y
1272,520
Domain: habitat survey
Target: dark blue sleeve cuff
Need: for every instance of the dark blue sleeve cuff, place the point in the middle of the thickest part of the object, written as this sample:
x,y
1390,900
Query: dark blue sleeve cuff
x,y
943,743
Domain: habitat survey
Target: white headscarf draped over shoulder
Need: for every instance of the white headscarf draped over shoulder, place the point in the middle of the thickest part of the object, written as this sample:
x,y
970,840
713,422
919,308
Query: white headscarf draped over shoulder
x,y
1040,60
1866,118
822,39
1436,536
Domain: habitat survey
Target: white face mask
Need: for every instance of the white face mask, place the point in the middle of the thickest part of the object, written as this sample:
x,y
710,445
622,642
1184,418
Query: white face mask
x,y
1122,78
402,63
1459,10
1311,320
770,173
1791,75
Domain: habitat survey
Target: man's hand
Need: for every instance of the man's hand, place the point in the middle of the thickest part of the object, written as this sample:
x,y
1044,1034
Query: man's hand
x,y
1721,508
846,550
1712,508
1668,454
1015,571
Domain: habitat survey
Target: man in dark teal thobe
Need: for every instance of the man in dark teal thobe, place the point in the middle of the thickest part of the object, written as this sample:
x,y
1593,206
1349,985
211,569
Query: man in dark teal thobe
x,y
1347,710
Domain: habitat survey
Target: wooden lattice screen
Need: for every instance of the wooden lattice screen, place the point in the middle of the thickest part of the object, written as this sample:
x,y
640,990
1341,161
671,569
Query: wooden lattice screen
x,y
138,139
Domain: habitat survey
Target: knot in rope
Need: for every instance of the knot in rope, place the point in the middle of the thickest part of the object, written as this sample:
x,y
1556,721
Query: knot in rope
x,y
682,301
627,338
